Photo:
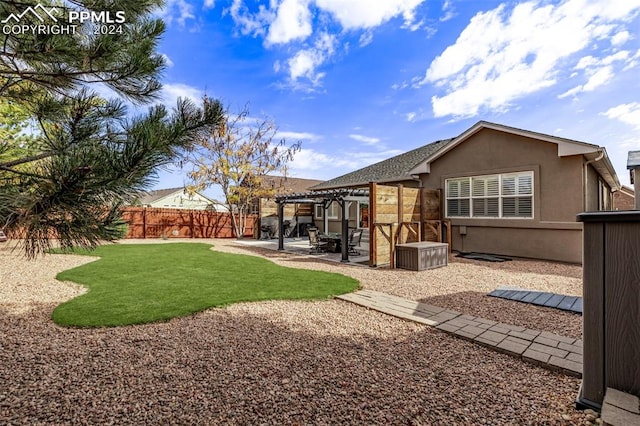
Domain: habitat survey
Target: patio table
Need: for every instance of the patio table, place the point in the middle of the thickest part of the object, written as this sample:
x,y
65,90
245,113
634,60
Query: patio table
x,y
334,241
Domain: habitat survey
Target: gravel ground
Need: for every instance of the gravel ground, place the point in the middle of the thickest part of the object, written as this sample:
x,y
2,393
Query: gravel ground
x,y
328,362
463,286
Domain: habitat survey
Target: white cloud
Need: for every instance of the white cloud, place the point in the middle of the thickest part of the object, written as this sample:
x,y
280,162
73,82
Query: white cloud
x,y
598,71
178,10
367,140
315,164
250,23
292,22
171,93
626,113
501,56
411,116
362,14
448,10
297,136
167,60
303,64
620,38
365,39
209,4
309,161
600,77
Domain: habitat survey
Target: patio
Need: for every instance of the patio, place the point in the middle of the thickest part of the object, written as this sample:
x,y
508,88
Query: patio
x,y
301,246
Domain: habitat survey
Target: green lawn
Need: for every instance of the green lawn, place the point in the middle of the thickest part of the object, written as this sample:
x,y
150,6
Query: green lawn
x,y
142,283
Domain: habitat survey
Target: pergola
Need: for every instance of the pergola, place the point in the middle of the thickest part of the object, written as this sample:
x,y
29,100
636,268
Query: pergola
x,y
324,198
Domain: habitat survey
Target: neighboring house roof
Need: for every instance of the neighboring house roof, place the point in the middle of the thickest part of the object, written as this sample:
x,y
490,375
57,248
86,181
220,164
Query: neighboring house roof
x,y
626,190
155,195
633,160
158,194
418,161
391,170
289,185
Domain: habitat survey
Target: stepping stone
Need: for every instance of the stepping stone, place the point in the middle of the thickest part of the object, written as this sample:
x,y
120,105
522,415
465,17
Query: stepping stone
x,y
519,295
540,298
577,306
567,302
529,298
509,294
554,301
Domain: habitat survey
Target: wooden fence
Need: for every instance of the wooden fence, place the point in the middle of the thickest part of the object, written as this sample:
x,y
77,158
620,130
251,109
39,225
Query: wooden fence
x,y
147,222
400,215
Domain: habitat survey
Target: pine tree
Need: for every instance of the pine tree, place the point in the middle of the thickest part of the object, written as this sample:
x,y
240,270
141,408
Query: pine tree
x,y
84,155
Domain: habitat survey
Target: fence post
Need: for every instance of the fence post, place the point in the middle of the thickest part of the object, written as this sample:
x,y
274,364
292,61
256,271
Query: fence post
x,y
144,223
611,307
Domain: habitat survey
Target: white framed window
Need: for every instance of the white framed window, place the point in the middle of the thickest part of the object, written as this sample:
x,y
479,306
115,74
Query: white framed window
x,y
333,211
254,207
319,211
507,195
604,196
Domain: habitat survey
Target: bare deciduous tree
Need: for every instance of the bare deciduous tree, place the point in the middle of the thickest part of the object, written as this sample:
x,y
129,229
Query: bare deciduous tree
x,y
237,156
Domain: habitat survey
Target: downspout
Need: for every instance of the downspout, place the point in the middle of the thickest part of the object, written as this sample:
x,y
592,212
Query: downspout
x,y
585,172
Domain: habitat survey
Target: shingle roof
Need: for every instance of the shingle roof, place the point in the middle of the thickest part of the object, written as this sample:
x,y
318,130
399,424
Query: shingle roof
x,y
390,170
633,160
157,194
289,185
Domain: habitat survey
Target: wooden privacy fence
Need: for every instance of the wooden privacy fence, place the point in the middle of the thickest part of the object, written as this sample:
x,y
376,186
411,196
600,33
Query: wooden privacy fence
x,y
148,222
401,215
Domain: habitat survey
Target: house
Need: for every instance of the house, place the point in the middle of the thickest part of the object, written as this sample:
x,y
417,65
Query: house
x,y
504,190
296,216
624,199
633,165
177,198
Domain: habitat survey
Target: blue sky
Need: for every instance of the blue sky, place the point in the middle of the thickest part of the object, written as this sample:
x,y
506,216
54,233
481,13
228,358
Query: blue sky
x,y
358,81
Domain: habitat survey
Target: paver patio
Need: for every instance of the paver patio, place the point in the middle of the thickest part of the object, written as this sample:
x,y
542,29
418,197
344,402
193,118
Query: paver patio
x,y
546,349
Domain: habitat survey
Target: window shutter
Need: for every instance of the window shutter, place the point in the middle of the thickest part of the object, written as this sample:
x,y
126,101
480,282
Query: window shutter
x,y
493,186
465,189
525,184
458,208
517,207
453,188
509,185
492,196
486,207
478,187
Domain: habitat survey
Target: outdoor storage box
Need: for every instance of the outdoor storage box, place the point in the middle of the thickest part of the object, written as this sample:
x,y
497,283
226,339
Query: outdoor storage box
x,y
422,255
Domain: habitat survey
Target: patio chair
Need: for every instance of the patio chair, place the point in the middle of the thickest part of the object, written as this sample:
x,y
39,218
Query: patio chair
x,y
266,232
354,241
316,243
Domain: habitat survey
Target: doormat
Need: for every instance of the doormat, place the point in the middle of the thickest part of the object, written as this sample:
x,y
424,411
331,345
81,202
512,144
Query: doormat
x,y
483,256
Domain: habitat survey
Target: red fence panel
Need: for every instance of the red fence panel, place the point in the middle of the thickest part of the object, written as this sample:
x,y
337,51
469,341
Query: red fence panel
x,y
148,222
